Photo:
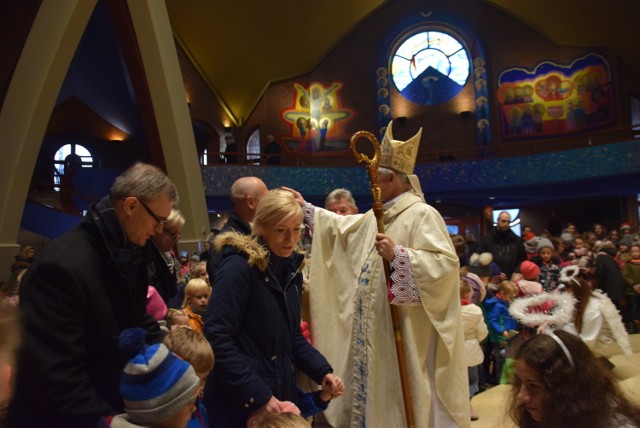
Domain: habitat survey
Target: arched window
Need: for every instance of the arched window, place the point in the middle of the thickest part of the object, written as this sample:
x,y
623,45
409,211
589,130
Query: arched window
x,y
223,147
253,148
430,67
68,157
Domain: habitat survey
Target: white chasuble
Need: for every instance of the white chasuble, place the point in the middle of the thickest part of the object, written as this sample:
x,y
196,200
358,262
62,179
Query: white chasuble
x,y
351,321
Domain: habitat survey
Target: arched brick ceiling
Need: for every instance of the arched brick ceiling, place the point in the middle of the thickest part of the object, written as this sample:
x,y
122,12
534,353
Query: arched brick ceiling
x,y
241,46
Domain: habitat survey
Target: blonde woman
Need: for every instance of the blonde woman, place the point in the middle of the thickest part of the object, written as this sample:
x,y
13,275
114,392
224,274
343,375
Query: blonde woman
x,y
253,321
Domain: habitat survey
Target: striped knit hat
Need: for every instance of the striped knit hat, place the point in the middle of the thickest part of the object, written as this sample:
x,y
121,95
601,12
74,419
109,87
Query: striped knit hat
x,y
155,384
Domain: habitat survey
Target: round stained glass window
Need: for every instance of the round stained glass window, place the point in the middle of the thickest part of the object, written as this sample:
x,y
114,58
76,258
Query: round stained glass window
x,y
430,67
69,156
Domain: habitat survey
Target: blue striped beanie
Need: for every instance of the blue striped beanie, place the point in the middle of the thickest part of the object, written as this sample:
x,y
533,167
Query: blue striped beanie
x,y
155,384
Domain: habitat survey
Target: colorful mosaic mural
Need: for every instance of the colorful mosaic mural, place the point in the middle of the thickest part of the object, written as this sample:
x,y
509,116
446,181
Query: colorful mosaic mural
x,y
554,99
317,119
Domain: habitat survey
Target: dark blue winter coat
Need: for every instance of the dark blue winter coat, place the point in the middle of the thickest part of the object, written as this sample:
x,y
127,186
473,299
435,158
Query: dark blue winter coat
x,y
253,325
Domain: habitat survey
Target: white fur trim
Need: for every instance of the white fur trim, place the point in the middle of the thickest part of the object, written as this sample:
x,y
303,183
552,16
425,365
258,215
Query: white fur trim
x,y
569,274
613,318
559,315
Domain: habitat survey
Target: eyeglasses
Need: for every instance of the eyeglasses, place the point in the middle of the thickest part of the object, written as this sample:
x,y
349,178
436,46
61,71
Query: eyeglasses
x,y
152,214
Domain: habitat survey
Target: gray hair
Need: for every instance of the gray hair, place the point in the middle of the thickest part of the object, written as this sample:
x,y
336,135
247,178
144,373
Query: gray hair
x,y
384,173
144,182
339,195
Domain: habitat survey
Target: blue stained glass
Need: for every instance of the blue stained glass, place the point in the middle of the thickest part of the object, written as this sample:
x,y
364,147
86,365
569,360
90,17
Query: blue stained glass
x,y
430,67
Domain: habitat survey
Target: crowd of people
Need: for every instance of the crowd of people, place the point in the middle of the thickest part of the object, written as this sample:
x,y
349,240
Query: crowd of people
x,y
586,284
386,320
117,275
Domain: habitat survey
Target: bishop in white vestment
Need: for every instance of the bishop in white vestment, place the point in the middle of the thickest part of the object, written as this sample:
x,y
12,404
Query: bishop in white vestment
x,y
349,304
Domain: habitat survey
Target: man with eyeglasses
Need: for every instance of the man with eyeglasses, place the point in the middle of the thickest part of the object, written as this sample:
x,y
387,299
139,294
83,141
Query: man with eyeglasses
x,y
77,297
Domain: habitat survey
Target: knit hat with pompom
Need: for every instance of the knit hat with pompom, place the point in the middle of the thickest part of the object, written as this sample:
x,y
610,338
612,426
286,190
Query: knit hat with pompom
x,y
155,384
480,264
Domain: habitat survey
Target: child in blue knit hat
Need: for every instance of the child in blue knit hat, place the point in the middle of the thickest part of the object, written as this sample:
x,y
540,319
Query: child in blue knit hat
x,y
158,388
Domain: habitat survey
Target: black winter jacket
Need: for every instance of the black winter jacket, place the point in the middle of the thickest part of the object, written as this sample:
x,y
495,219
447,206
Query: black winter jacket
x,y
233,224
76,298
507,249
159,274
610,279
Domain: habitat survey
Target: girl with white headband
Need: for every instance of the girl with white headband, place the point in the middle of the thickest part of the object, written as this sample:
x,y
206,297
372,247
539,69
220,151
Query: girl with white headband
x,y
560,383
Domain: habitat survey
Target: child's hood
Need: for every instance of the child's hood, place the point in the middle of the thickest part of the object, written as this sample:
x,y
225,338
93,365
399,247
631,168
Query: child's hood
x,y
529,288
493,301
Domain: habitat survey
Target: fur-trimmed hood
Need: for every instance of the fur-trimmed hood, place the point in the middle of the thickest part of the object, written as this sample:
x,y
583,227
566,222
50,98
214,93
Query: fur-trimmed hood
x,y
257,254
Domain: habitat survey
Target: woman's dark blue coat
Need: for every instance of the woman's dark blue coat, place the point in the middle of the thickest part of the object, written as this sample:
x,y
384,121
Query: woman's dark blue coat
x,y
253,325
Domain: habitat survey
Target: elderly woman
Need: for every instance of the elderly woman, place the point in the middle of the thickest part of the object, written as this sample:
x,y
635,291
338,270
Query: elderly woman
x,y
163,264
253,319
